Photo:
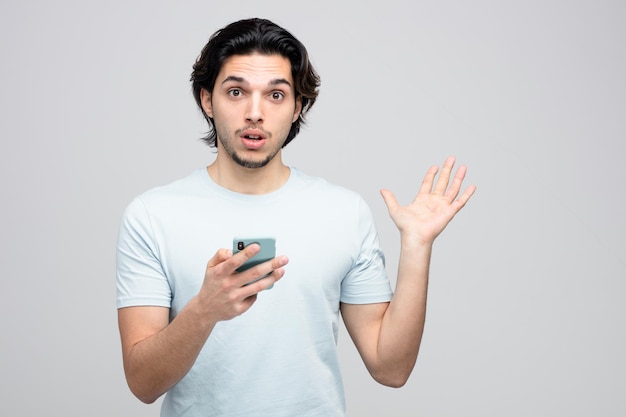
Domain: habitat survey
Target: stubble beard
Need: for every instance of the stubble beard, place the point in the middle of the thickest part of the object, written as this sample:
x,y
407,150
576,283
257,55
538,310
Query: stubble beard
x,y
246,163
238,159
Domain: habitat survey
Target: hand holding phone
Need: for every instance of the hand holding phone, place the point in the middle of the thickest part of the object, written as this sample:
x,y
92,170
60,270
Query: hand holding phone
x,y
267,252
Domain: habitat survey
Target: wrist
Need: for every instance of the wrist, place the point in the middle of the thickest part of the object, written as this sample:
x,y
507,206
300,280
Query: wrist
x,y
415,240
201,315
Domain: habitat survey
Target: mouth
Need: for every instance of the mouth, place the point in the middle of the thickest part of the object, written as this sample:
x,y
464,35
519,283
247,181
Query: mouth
x,y
253,138
253,134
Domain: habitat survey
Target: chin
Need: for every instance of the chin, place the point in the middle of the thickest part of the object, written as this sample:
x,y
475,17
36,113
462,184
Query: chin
x,y
252,164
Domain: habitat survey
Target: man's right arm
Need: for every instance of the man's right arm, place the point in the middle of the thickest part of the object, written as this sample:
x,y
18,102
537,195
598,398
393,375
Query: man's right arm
x,y
158,353
154,357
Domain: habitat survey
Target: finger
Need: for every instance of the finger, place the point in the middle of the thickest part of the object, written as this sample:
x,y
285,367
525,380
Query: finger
x,y
429,179
455,186
464,198
279,262
243,255
260,284
261,271
247,303
390,199
229,266
220,256
267,268
444,176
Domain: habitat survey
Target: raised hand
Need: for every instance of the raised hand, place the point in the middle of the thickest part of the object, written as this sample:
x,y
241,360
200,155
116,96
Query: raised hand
x,y
434,206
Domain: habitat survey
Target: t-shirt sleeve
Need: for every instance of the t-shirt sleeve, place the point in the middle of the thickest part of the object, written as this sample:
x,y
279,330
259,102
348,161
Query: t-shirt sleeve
x,y
367,281
141,280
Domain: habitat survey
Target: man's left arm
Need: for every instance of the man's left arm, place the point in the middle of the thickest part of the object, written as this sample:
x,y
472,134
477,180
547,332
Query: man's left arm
x,y
388,335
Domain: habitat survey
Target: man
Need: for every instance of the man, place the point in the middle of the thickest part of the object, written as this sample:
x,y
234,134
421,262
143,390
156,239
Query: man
x,y
194,328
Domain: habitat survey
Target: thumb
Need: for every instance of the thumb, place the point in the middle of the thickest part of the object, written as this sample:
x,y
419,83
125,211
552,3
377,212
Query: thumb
x,y
220,256
390,199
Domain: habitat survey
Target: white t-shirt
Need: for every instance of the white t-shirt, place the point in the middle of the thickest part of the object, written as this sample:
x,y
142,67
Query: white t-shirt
x,y
280,357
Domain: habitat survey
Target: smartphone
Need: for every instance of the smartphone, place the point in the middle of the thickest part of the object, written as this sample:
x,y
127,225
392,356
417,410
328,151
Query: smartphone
x,y
267,252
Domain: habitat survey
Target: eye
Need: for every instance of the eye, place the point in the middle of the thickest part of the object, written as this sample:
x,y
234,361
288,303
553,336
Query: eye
x,y
277,95
234,92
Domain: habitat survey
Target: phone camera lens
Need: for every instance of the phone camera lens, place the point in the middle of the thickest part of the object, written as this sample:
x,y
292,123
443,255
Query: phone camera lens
x,y
240,245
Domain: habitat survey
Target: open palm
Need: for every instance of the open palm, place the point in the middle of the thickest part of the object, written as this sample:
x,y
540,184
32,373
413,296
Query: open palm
x,y
435,204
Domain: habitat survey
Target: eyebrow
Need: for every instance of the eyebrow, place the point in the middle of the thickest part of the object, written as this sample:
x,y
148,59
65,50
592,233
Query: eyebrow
x,y
276,81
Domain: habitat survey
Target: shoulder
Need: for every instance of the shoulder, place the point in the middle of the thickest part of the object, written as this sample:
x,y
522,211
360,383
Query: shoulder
x,y
191,184
167,195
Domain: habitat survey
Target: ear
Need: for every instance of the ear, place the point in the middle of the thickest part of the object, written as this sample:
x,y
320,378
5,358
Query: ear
x,y
205,99
297,110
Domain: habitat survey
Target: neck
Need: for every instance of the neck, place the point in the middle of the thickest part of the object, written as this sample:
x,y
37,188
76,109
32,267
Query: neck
x,y
251,181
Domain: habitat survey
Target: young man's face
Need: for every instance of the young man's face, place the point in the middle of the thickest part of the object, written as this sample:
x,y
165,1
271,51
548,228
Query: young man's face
x,y
253,105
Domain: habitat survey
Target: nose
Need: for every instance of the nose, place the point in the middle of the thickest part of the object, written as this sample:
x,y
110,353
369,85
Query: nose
x,y
254,111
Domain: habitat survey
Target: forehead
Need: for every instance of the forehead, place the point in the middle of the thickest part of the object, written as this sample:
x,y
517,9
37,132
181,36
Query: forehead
x,y
256,67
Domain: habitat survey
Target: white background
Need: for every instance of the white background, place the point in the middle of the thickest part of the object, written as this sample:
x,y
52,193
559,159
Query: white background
x,y
526,310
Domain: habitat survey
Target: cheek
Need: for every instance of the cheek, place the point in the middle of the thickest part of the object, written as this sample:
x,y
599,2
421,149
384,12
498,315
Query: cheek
x,y
225,116
289,115
221,127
